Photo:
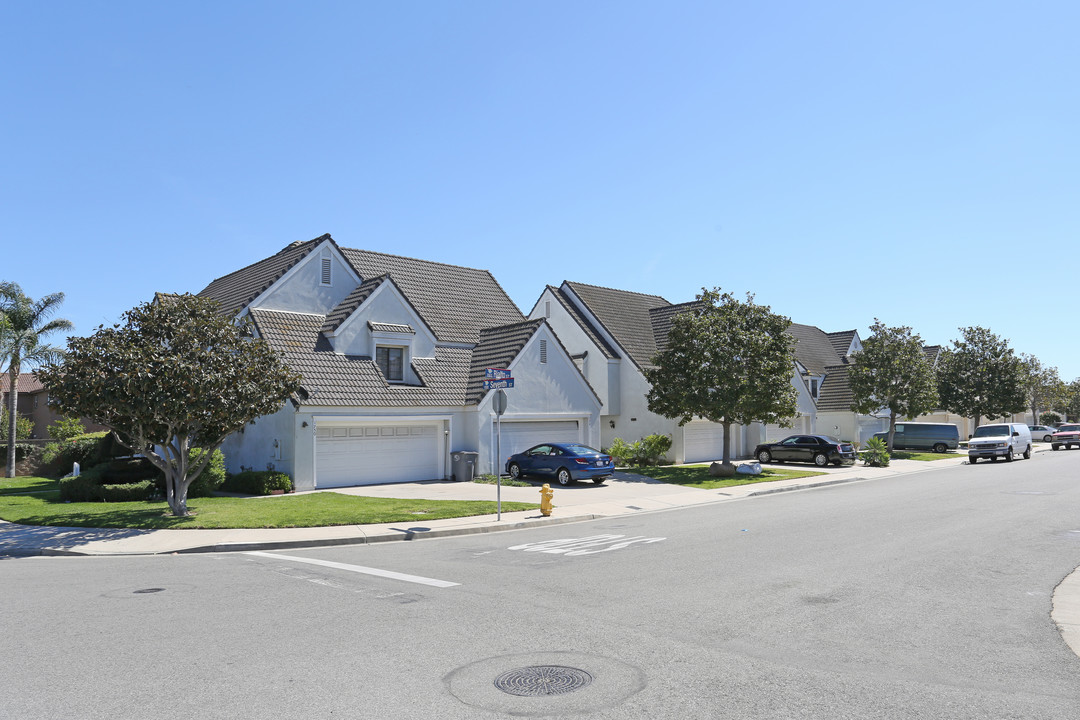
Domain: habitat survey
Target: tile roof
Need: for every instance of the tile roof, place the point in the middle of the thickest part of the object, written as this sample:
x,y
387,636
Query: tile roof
x,y
813,348
661,318
584,322
354,300
835,392
28,383
237,289
456,302
497,348
625,316
841,341
932,353
338,380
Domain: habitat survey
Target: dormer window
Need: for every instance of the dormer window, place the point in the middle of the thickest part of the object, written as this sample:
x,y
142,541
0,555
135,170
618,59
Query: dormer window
x,y
326,271
814,387
391,361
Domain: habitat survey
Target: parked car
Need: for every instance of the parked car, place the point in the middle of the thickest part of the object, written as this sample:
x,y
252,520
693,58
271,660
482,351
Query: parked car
x,y
566,462
1068,435
938,437
1042,432
818,449
1005,440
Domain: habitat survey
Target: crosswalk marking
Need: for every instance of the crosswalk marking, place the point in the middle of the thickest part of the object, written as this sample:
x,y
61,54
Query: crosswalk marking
x,y
359,569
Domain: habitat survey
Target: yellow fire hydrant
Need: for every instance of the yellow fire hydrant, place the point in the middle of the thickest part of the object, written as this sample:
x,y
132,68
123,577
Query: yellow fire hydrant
x,y
546,493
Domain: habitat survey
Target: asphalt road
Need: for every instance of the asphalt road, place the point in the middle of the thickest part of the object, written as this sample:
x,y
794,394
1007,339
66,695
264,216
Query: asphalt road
x,y
923,596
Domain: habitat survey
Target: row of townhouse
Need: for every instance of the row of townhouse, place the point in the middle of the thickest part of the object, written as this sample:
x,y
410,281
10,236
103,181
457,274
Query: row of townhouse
x,y
393,352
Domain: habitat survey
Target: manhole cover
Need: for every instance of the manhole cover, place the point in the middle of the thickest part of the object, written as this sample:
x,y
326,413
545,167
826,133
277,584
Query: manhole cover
x,y
542,680
148,591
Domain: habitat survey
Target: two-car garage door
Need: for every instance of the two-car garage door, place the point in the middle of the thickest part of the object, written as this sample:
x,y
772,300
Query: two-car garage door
x,y
520,436
365,454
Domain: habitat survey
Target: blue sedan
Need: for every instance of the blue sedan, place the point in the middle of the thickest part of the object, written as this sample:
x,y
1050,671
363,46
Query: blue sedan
x,y
566,462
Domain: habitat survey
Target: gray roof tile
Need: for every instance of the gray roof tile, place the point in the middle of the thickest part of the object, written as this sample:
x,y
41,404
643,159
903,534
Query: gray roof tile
x,y
625,316
583,322
835,392
456,302
841,341
338,380
813,348
354,300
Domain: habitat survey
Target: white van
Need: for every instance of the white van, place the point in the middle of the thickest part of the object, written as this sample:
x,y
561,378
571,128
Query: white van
x,y
1000,440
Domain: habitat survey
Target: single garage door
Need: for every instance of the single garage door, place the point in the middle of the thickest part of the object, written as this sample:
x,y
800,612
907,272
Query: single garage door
x,y
520,436
704,441
347,455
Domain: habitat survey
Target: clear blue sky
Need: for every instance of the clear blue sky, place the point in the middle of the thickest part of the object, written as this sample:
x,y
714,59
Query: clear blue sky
x,y
843,161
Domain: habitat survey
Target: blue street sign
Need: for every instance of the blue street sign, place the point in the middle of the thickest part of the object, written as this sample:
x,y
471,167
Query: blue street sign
x,y
499,384
497,374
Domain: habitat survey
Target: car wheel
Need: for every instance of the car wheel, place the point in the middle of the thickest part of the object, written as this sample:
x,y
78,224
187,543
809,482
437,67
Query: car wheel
x,y
1009,455
1027,453
821,459
515,471
1046,438
764,456
1054,447
973,460
599,481
993,458
940,448
564,477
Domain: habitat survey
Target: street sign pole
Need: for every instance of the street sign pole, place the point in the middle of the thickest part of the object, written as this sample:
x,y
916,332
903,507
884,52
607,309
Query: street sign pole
x,y
499,404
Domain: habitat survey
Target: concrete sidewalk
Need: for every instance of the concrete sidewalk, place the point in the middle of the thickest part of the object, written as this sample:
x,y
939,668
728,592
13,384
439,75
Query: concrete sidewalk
x,y
624,494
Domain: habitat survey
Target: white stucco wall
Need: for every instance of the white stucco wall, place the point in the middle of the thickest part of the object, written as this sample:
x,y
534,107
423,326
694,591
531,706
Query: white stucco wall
x,y
301,290
254,447
576,341
385,305
554,390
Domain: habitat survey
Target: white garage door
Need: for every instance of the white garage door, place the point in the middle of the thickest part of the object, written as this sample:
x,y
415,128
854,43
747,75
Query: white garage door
x,y
520,436
704,441
347,455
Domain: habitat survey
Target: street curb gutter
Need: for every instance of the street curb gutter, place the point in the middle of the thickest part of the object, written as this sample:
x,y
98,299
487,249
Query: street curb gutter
x,y
1066,610
793,488
324,542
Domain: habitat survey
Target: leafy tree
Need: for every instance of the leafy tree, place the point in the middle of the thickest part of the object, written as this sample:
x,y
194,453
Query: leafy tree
x,y
1069,401
1041,384
726,361
24,326
981,376
65,428
176,375
891,371
1051,418
24,426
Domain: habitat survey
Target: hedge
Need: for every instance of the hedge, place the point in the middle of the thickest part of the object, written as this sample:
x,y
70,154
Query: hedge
x,y
258,482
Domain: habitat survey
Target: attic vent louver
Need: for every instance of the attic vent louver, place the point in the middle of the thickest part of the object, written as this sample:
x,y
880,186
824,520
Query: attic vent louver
x,y
543,351
326,271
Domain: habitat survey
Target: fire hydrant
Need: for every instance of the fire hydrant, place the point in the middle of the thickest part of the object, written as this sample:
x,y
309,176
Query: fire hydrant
x,y
546,493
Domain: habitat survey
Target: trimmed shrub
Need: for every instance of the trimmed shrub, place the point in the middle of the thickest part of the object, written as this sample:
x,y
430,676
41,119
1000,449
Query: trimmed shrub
x,y
124,471
646,451
257,482
87,450
88,487
22,450
1050,418
212,476
876,453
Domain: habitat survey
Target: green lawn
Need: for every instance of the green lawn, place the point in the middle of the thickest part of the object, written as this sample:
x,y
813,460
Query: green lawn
x,y
26,484
697,476
314,510
925,456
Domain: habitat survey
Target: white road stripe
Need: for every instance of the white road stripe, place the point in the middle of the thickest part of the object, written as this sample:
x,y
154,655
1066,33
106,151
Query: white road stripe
x,y
359,569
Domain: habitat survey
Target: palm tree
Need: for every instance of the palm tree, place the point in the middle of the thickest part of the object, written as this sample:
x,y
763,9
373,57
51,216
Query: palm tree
x,y
24,324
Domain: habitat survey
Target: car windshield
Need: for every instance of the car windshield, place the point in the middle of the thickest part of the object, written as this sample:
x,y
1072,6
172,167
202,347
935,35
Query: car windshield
x,y
582,450
1069,428
991,430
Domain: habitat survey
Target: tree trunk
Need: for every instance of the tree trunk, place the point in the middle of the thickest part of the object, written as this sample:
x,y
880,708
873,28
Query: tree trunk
x,y
727,443
892,430
13,399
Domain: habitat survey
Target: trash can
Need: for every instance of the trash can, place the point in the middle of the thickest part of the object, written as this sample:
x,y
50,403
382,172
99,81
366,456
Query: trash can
x,y
463,465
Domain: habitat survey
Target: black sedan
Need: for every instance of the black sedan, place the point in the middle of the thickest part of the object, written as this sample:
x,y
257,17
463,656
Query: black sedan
x,y
818,449
566,462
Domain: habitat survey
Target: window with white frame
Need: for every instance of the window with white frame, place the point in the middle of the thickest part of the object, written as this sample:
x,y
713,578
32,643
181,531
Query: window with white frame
x,y
391,361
